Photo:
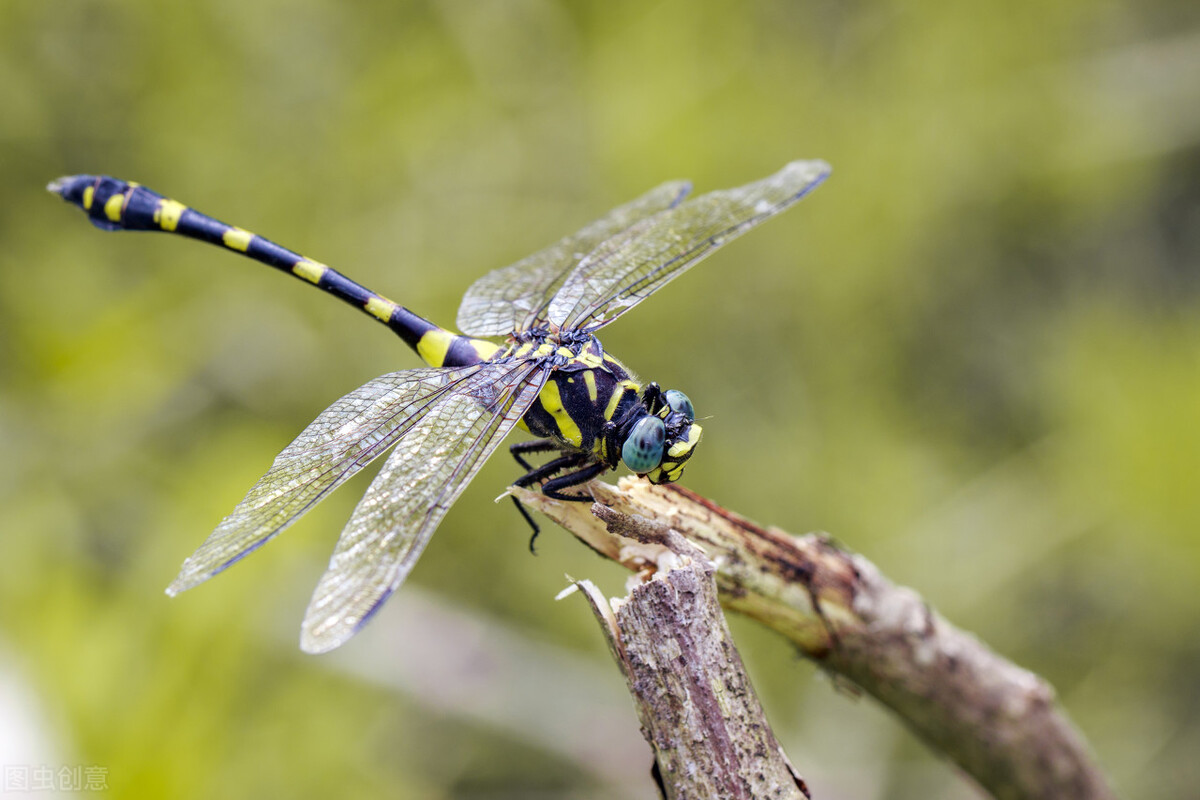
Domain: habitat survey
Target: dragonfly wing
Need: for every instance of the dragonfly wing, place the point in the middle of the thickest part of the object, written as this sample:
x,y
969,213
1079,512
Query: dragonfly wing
x,y
516,297
408,498
343,439
628,268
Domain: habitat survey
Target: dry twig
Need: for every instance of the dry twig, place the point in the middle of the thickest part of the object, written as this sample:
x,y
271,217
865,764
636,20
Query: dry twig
x,y
999,722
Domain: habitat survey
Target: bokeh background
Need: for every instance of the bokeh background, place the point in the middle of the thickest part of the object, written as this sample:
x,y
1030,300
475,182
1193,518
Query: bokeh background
x,y
973,355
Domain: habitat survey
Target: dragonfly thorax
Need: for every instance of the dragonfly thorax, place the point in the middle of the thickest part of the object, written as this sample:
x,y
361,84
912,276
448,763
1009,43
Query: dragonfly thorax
x,y
592,404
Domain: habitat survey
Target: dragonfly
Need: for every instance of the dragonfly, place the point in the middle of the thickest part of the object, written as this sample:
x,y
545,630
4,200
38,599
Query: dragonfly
x,y
549,375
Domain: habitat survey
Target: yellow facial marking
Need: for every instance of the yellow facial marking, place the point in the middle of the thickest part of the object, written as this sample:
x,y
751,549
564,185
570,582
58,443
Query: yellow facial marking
x,y
685,445
168,213
89,194
237,239
589,380
433,346
378,307
311,271
552,401
113,207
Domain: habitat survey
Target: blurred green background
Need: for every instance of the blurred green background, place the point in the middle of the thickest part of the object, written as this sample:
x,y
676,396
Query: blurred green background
x,y
973,355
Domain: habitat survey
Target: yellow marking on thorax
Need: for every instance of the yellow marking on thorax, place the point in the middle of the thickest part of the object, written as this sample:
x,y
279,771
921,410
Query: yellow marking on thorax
x,y
433,346
89,194
378,307
167,214
311,271
589,380
237,239
551,400
590,360
113,207
617,394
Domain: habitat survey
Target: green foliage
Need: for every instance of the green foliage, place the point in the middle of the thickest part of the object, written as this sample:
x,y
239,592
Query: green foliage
x,y
972,355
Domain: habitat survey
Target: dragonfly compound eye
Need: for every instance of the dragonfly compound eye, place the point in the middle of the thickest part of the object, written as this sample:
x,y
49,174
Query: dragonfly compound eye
x,y
678,401
643,449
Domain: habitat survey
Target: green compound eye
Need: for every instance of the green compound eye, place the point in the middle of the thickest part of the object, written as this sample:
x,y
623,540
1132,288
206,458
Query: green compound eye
x,y
678,401
643,449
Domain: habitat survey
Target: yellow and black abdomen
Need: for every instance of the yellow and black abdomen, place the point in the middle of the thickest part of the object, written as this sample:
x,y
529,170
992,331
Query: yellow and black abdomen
x,y
116,205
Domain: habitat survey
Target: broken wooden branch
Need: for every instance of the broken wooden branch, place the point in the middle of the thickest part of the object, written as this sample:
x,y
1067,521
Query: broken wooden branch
x,y
999,722
697,708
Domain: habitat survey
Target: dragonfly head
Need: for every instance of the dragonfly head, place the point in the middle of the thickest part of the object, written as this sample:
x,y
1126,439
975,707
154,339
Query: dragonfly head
x,y
663,437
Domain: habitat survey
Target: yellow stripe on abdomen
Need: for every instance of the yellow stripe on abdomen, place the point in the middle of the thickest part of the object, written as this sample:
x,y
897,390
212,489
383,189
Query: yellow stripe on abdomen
x,y
113,207
381,309
167,215
484,349
311,271
433,346
237,239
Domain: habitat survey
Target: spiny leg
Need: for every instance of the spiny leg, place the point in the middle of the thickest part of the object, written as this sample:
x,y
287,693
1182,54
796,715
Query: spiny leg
x,y
568,460
533,446
553,487
548,470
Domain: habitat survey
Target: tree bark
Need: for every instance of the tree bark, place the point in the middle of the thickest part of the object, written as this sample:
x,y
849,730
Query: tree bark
x,y
695,702
999,722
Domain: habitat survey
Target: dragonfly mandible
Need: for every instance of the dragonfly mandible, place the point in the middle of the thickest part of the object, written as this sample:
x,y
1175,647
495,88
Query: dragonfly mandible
x,y
550,376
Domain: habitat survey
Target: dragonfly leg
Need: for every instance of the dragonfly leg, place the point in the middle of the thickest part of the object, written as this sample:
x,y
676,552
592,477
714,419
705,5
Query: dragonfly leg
x,y
535,446
577,461
533,525
553,487
550,469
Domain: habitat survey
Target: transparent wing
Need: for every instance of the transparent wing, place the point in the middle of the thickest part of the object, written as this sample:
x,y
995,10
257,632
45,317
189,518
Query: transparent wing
x,y
516,297
408,498
629,267
343,439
